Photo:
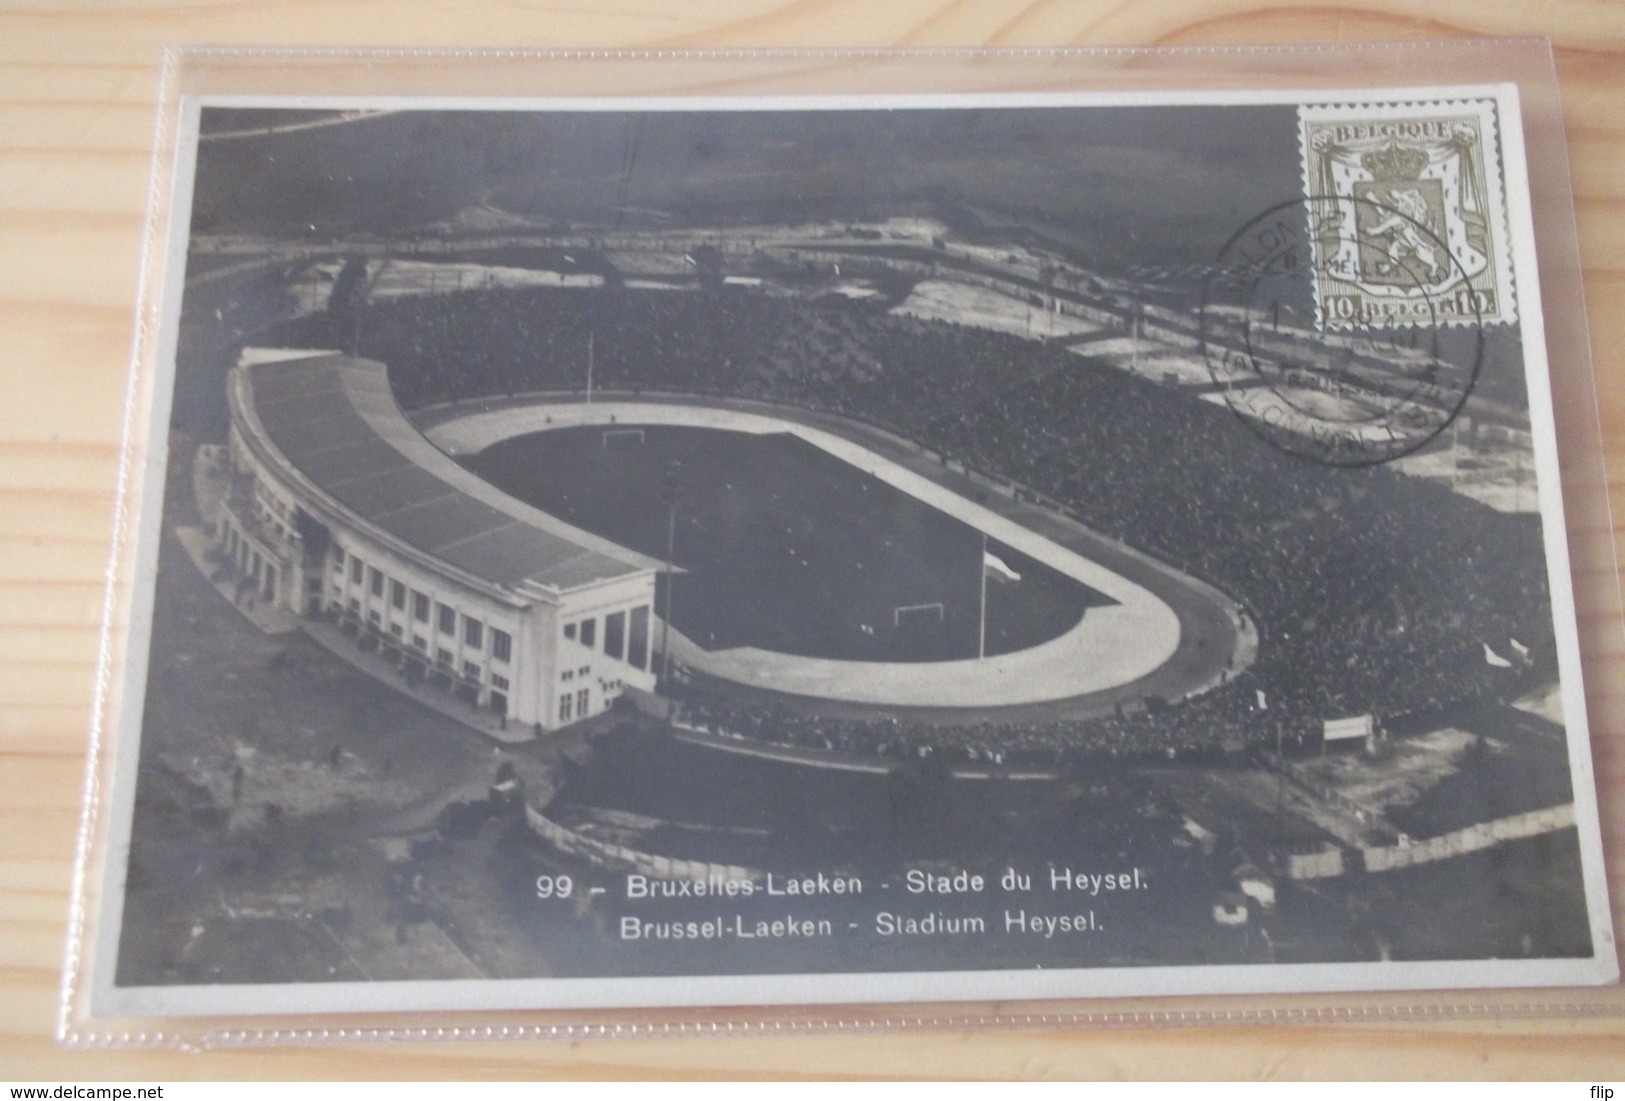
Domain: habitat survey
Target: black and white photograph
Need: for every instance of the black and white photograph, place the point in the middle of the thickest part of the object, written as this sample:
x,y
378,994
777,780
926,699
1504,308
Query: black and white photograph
x,y
765,551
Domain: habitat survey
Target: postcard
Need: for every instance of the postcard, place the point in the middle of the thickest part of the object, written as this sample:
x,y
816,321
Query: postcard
x,y
657,552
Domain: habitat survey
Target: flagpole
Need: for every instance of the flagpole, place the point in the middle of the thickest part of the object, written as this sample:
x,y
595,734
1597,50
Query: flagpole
x,y
1134,332
981,625
589,366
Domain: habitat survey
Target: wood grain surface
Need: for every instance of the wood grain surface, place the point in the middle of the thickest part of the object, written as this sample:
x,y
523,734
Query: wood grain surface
x,y
77,90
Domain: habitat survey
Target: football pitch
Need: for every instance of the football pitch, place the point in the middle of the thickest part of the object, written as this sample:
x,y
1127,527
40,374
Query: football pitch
x,y
787,548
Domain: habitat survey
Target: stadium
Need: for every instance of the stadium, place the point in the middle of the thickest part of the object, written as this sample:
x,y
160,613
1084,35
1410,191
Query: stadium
x,y
1299,594
712,532
882,588
810,565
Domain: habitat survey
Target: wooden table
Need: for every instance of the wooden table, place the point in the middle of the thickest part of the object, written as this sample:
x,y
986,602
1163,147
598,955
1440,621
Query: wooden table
x,y
77,85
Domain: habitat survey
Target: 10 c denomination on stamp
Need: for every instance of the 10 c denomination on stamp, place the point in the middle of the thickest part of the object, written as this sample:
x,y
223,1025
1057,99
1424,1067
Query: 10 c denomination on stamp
x,y
1416,188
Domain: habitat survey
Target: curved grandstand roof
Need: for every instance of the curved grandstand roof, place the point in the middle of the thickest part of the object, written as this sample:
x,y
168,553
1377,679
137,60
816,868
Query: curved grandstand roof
x,y
333,420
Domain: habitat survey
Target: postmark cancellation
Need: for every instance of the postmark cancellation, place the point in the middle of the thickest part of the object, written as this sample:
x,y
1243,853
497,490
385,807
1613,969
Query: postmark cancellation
x,y
1415,229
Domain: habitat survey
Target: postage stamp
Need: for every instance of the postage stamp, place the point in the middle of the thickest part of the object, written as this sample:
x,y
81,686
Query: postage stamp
x,y
1418,185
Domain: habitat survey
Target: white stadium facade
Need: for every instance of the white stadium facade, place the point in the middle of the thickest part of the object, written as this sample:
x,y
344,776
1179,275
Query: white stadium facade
x,y
339,509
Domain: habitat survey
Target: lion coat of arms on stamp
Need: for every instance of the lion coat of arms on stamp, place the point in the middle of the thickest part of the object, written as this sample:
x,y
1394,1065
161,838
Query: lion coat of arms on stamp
x,y
1409,226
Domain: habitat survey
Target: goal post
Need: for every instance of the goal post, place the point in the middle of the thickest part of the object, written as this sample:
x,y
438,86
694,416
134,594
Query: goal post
x,y
916,613
622,437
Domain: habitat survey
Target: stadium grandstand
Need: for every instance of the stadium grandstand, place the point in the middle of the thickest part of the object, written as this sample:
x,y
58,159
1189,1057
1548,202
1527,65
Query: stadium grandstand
x,y
338,508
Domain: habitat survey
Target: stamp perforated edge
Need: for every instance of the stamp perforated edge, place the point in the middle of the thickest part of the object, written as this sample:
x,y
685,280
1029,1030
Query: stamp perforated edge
x,y
1487,111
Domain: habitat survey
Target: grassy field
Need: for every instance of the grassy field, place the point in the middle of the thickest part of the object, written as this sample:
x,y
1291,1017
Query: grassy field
x,y
787,548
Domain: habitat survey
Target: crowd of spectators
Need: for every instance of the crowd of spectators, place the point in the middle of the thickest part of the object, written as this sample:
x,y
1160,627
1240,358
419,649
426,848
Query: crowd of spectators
x,y
1372,592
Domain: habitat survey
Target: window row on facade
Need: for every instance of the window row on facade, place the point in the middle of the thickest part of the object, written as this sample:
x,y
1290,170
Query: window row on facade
x,y
260,570
437,628
626,635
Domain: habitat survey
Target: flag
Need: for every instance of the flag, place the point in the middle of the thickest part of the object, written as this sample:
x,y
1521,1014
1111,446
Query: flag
x,y
1492,658
993,566
1523,651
